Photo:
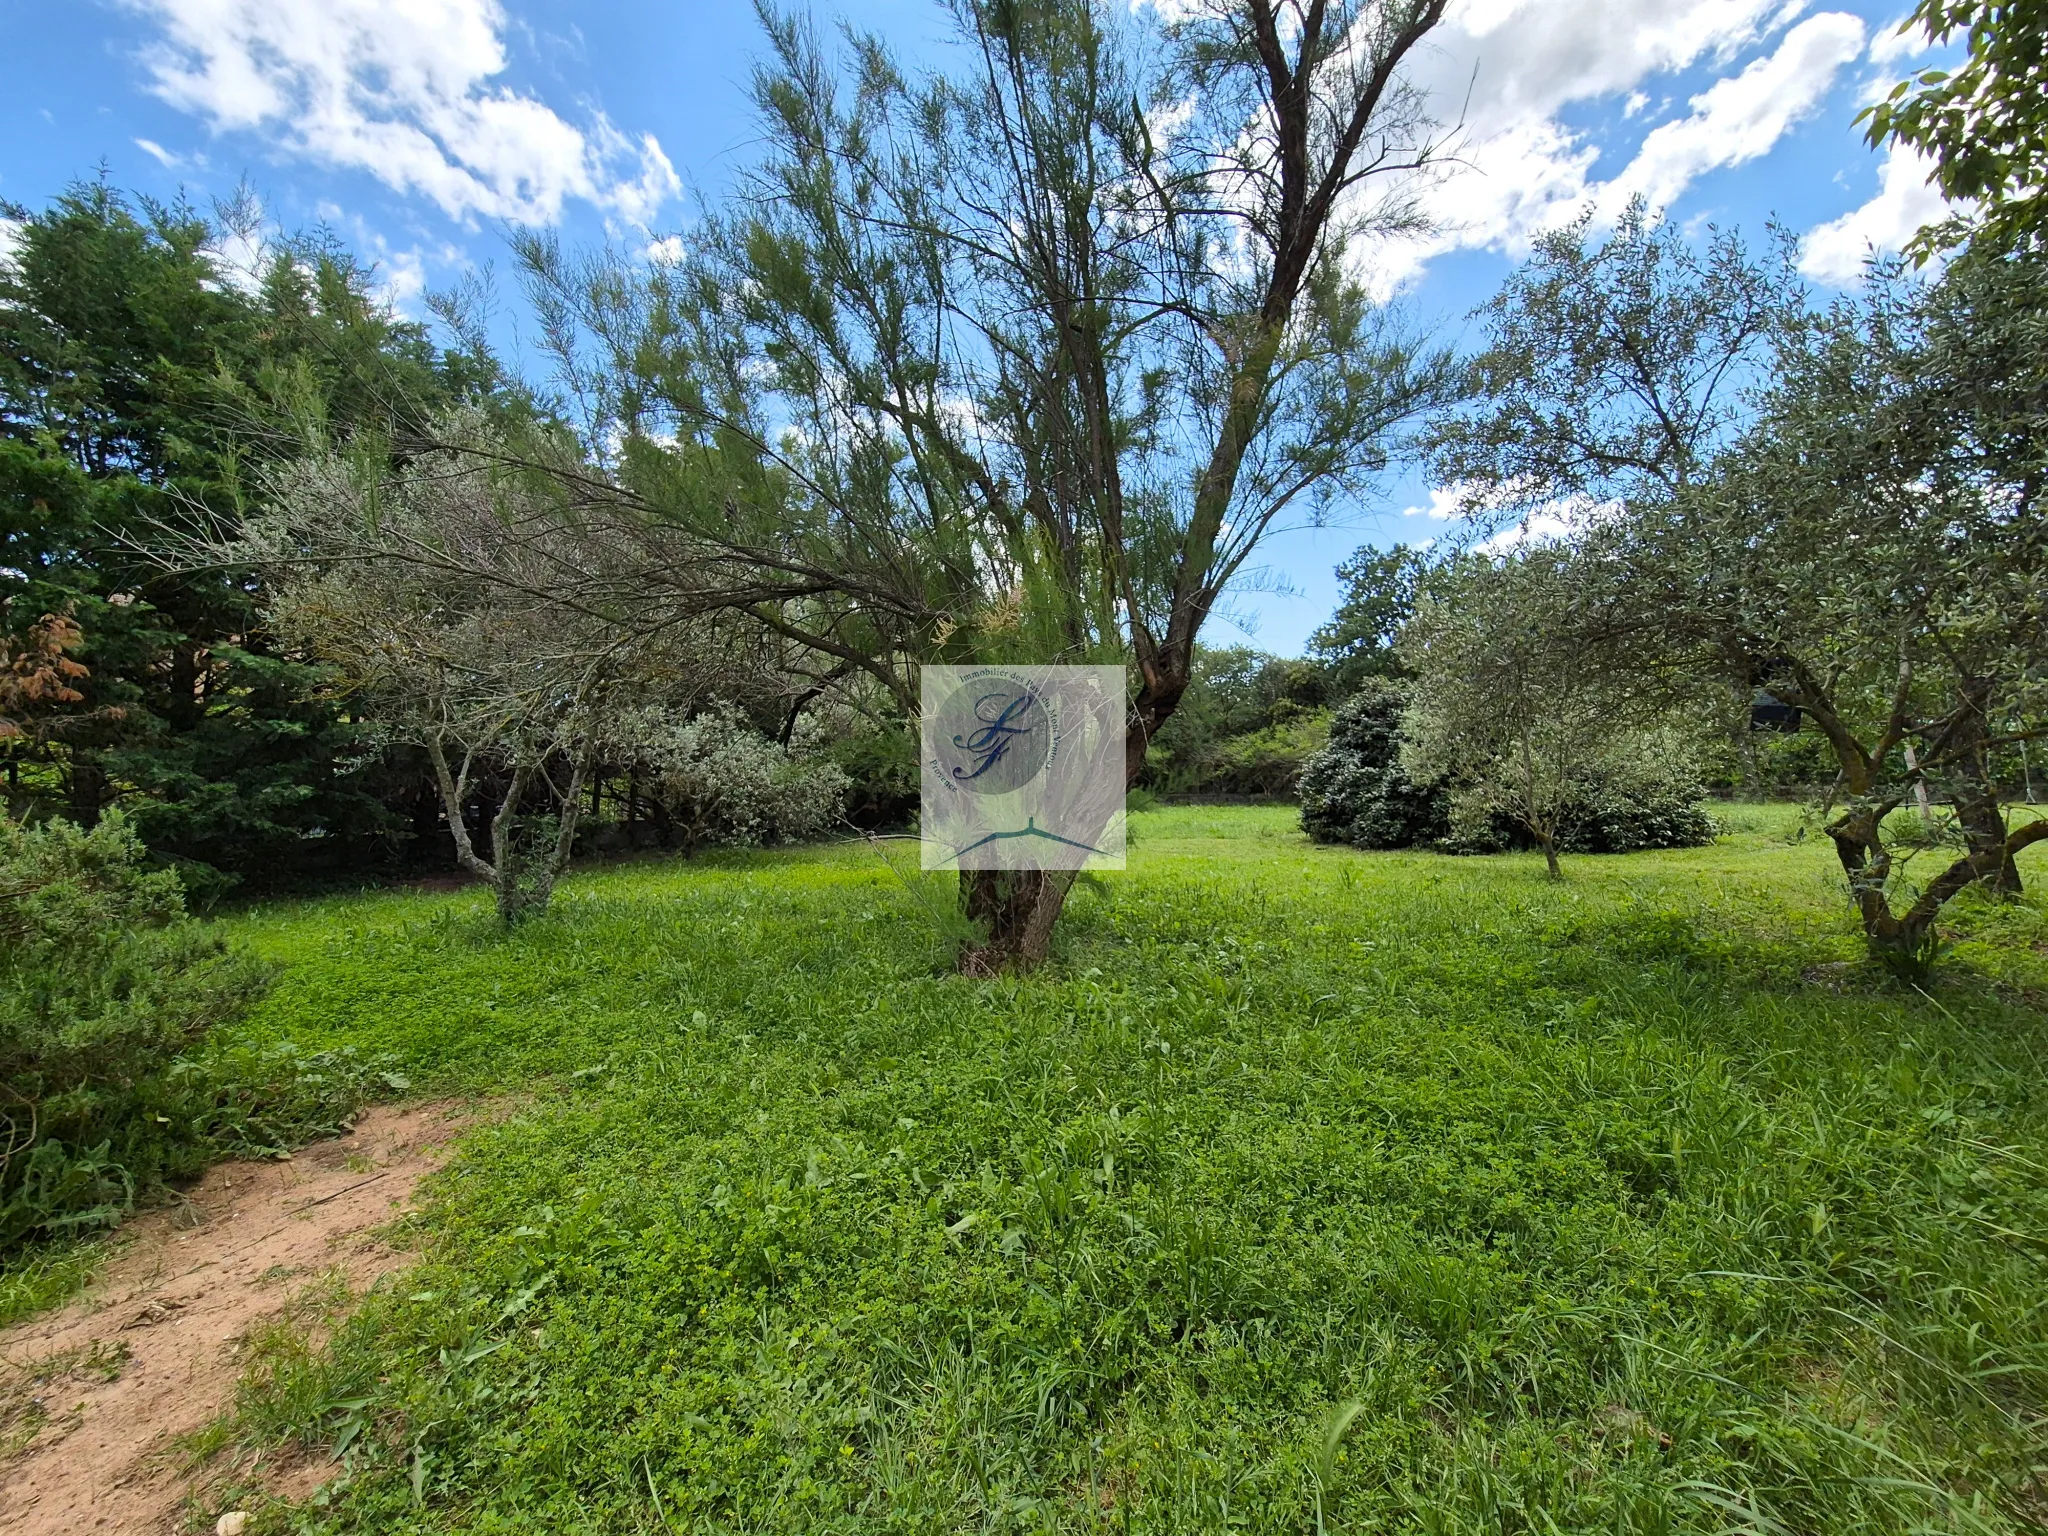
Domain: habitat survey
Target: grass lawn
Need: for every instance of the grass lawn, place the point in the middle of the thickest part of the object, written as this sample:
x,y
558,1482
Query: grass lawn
x,y
1306,1190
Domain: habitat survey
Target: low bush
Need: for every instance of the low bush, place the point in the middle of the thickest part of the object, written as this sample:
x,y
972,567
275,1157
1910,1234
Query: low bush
x,y
880,764
714,779
110,1082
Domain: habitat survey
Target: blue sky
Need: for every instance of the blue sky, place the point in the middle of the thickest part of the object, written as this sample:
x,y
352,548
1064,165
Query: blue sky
x,y
422,131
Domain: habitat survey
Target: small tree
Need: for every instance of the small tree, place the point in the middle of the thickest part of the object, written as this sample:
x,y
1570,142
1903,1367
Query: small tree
x,y
1507,707
505,685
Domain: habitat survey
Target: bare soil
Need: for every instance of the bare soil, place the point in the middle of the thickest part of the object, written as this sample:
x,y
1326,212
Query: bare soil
x,y
96,1396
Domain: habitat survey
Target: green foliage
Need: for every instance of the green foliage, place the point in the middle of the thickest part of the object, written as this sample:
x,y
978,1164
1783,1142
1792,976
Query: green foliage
x,y
108,994
1380,587
1648,798
1244,727
714,779
1612,370
1420,1191
1358,791
880,764
1984,123
141,381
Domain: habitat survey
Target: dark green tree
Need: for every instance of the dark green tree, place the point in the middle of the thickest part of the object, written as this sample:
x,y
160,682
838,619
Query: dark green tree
x,y
1358,791
1380,587
141,381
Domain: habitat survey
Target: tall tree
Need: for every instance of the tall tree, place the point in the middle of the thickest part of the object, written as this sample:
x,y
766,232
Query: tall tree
x,y
1024,363
1380,589
139,377
1613,369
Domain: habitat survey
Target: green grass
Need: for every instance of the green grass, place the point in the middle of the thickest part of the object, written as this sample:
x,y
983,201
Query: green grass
x,y
48,1277
1305,1190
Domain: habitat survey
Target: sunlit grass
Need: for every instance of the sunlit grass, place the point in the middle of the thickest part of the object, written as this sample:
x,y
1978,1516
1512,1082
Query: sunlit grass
x,y
1304,1188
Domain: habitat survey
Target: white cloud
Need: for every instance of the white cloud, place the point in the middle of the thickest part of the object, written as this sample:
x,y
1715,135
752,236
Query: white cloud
x,y
1742,116
10,237
1896,40
1834,252
1550,521
401,89
157,152
1446,503
1536,528
1518,68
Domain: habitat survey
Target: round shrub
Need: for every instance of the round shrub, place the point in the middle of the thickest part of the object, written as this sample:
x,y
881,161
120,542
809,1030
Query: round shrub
x,y
1356,791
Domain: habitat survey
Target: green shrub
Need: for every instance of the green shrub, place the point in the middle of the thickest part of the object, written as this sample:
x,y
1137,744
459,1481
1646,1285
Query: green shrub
x,y
1246,725
1268,761
1356,791
1653,802
109,1085
880,764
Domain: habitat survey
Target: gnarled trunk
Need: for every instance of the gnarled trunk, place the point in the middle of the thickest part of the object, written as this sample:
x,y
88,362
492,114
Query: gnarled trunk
x,y
523,881
1016,910
1976,799
1905,942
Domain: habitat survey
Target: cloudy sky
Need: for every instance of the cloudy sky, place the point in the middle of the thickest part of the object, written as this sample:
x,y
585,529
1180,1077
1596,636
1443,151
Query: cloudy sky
x,y
423,130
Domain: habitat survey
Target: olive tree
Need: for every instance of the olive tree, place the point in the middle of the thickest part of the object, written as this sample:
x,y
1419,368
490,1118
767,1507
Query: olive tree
x,y
1612,369
1874,551
1023,362
460,604
1507,707
368,574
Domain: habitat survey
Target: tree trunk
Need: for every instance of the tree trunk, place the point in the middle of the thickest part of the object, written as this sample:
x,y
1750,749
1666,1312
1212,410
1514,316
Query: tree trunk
x,y
1976,797
514,898
1016,910
88,789
1905,943
1549,842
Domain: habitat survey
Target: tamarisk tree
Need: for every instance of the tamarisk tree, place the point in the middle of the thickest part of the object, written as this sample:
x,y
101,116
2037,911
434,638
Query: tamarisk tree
x,y
1022,363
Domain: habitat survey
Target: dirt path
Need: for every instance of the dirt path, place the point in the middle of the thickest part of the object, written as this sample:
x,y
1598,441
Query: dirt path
x,y
107,1384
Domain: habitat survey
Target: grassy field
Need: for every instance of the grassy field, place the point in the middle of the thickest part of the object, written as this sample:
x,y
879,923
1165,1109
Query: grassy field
x,y
1306,1190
